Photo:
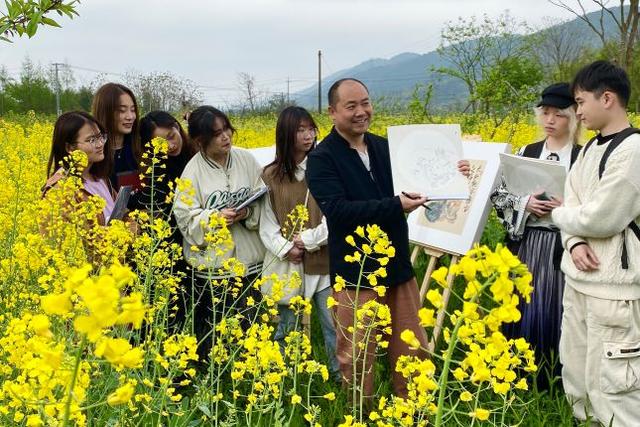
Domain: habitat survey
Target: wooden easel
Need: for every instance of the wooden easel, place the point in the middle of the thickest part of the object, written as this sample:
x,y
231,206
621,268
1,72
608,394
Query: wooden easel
x,y
434,255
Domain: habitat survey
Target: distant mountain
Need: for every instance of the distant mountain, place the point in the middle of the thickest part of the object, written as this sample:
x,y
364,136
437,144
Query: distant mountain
x,y
395,78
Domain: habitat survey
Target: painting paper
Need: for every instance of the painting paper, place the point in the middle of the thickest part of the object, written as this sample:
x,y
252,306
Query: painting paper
x,y
424,160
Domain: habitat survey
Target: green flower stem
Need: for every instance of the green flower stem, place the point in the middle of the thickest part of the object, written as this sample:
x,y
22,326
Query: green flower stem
x,y
353,348
295,383
74,377
442,383
364,363
444,376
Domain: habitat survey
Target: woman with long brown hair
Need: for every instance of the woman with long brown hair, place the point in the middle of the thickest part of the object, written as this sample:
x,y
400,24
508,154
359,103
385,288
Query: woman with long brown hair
x,y
154,195
115,106
304,250
223,176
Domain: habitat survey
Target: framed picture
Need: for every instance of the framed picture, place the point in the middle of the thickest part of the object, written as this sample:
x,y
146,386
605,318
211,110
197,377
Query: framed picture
x,y
454,226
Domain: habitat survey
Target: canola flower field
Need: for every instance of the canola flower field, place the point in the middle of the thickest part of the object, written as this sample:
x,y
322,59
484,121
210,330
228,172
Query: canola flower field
x,y
87,338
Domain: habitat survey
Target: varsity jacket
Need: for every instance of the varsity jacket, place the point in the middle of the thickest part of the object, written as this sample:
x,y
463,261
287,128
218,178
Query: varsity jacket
x,y
597,211
216,188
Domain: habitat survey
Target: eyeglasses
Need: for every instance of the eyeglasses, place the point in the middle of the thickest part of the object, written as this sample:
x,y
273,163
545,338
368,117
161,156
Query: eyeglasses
x,y
95,139
312,131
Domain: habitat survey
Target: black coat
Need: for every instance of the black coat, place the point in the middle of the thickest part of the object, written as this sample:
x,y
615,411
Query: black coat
x,y
348,197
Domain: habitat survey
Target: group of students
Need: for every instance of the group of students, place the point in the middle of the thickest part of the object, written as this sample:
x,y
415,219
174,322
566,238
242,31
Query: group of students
x,y
114,140
586,238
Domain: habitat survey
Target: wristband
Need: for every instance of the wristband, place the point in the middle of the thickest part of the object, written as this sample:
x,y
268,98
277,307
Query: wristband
x,y
575,246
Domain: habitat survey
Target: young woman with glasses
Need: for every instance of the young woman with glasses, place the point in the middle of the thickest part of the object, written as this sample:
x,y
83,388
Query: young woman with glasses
x,y
78,130
305,249
531,233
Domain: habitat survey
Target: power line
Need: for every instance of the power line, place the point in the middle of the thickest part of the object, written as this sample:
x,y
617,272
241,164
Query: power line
x,y
94,70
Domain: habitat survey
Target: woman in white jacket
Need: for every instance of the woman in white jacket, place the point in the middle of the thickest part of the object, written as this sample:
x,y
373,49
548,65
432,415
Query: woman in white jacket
x,y
303,249
222,176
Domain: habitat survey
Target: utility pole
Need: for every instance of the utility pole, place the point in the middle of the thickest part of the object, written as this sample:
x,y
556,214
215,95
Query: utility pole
x,y
288,82
58,111
319,82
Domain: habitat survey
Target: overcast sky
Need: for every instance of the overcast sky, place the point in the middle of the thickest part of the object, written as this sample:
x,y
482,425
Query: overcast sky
x,y
211,41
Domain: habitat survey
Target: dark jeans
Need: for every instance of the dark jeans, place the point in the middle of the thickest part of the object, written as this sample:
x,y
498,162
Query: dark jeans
x,y
206,314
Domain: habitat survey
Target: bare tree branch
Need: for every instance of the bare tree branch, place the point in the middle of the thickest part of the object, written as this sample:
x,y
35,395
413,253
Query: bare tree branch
x,y
626,21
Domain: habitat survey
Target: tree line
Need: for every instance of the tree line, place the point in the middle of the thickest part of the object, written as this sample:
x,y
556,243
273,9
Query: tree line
x,y
35,87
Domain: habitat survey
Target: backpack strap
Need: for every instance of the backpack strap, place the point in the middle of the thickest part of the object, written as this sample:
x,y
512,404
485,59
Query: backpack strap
x,y
615,142
575,152
588,145
625,257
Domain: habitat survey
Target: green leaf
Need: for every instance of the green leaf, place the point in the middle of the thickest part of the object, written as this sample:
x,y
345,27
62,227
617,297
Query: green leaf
x,y
32,27
205,410
13,9
50,22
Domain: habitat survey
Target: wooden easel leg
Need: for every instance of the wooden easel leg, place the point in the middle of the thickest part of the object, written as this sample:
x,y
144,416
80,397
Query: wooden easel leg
x,y
414,254
427,276
446,294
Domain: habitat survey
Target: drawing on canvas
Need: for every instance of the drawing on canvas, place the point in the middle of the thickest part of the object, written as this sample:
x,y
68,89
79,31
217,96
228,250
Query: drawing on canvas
x,y
524,175
454,226
424,159
451,216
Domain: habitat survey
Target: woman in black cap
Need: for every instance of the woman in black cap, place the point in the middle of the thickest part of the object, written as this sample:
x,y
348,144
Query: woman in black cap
x,y
531,233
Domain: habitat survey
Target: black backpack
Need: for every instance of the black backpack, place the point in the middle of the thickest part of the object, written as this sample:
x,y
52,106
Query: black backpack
x,y
617,140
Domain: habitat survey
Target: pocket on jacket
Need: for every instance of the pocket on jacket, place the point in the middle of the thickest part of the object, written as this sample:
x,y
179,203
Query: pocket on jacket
x,y
609,314
620,367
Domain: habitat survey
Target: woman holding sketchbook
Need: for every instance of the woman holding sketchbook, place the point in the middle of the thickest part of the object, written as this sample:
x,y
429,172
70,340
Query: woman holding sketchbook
x,y
222,177
77,130
531,232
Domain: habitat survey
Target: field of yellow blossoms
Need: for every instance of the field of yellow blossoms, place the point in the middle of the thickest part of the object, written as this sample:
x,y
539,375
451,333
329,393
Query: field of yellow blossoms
x,y
87,338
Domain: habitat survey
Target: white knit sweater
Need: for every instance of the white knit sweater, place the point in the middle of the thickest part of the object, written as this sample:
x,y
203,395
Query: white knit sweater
x,y
597,211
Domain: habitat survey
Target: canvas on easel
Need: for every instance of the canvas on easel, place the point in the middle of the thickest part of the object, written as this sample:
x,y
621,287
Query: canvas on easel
x,y
452,227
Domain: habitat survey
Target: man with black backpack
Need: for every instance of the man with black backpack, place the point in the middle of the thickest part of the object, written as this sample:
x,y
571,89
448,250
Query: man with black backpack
x,y
600,338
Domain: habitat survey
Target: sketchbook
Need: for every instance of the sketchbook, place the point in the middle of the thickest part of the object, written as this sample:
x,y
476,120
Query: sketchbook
x,y
447,197
253,196
120,206
524,175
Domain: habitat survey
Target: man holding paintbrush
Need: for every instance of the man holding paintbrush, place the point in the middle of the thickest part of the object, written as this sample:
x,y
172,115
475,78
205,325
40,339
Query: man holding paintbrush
x,y
349,175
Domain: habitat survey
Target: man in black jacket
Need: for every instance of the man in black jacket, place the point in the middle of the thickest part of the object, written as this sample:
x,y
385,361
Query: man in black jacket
x,y
349,175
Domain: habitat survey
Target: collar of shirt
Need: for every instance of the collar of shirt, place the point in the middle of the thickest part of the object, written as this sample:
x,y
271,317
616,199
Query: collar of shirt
x,y
301,169
215,164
